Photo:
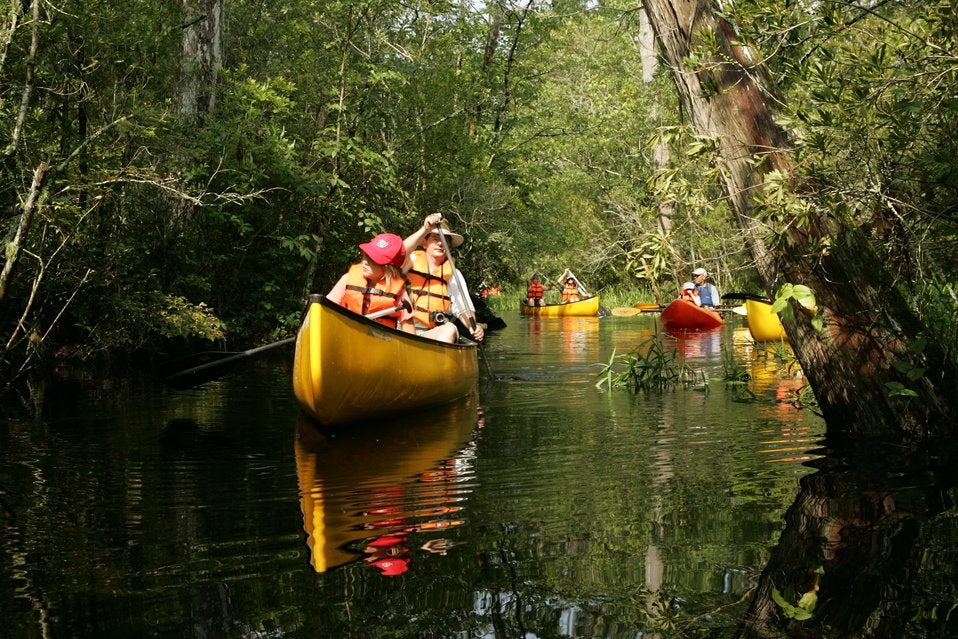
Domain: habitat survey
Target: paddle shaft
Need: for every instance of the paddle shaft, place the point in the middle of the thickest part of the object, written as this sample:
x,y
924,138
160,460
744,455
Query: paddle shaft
x,y
208,371
196,375
461,293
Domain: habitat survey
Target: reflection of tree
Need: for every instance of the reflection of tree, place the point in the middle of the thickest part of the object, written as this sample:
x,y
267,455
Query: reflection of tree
x,y
862,530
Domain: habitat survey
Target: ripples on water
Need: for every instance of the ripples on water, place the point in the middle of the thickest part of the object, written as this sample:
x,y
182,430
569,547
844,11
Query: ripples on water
x,y
542,505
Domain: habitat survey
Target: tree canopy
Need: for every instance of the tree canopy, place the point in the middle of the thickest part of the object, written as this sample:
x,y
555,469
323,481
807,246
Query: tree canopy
x,y
178,174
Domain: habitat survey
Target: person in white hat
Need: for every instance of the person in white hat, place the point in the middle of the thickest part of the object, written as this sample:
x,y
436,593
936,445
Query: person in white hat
x,y
437,289
708,294
689,293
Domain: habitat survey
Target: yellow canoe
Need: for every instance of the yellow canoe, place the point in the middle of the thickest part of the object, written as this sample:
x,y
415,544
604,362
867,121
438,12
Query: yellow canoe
x,y
583,308
347,368
763,324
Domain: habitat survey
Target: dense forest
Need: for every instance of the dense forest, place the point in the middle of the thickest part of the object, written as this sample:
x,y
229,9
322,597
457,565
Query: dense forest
x,y
182,173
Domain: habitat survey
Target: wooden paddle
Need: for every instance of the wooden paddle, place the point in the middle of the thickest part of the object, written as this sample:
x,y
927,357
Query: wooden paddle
x,y
635,309
199,368
460,293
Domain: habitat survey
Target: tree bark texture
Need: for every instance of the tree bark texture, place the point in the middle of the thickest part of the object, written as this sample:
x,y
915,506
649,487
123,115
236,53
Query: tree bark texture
x,y
870,331
202,48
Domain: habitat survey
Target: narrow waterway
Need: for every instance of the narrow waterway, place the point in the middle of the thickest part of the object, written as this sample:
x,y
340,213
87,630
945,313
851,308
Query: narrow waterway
x,y
541,506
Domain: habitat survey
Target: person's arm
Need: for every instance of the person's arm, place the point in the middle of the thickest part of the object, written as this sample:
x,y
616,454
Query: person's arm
x,y
339,289
462,306
716,300
428,225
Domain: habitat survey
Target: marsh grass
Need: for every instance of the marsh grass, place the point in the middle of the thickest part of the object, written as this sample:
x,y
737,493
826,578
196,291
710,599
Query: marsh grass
x,y
650,367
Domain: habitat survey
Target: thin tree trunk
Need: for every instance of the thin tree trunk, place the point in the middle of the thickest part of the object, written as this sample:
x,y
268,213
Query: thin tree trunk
x,y
870,335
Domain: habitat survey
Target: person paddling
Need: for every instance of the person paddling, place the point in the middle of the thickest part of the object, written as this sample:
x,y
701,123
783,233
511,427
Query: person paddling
x,y
437,290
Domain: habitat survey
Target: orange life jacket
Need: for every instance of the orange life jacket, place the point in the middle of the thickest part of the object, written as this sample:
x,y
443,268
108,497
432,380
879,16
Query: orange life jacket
x,y
691,296
535,290
361,298
570,293
429,289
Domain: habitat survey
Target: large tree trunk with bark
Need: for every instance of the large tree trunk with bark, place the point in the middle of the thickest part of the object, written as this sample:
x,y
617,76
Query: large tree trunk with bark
x,y
202,44
870,337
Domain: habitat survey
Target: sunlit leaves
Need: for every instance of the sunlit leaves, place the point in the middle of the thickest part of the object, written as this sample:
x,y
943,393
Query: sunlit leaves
x,y
804,296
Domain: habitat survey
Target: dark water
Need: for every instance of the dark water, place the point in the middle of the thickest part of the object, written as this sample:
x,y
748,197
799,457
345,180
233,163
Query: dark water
x,y
542,506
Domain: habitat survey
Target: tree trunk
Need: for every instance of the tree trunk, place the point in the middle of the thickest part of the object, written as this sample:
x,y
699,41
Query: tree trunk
x,y
871,334
202,47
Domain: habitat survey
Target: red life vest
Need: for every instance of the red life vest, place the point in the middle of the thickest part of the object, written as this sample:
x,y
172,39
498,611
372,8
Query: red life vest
x,y
570,293
361,298
535,290
429,290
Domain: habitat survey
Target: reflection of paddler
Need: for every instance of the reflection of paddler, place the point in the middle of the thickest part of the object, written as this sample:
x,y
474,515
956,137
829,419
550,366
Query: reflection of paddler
x,y
343,480
576,334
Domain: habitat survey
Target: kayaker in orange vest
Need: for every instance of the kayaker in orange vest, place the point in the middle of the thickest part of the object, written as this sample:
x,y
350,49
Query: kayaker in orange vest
x,y
570,292
438,292
688,292
376,283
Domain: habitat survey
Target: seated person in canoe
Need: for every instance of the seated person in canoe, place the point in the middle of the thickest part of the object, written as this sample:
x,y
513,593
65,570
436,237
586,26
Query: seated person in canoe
x,y
375,286
689,293
436,287
708,294
535,291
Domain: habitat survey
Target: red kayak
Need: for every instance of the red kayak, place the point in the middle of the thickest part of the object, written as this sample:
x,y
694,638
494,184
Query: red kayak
x,y
685,314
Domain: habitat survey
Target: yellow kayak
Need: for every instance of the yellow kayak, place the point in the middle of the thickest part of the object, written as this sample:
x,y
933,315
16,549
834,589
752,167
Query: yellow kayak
x,y
763,324
583,308
348,368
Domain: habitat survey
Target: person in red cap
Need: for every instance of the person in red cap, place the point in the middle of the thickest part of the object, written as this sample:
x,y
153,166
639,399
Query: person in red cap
x,y
376,283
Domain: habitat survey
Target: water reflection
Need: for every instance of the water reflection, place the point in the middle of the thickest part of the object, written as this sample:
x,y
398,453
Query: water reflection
x,y
868,549
370,491
694,343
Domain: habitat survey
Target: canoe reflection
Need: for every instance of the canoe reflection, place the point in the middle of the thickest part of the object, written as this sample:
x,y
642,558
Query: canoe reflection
x,y
694,343
370,492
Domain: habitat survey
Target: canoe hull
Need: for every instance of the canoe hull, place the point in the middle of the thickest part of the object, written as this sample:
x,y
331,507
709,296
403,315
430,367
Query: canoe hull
x,y
583,308
685,314
763,324
347,368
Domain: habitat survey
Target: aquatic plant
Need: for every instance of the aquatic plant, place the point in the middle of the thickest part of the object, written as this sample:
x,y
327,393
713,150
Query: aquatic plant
x,y
650,367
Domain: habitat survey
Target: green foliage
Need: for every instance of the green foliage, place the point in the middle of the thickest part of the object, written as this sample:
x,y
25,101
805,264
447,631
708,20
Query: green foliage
x,y
649,368
805,606
804,296
530,128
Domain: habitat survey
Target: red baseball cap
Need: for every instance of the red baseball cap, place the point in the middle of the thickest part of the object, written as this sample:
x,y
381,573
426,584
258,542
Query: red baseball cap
x,y
385,248
392,566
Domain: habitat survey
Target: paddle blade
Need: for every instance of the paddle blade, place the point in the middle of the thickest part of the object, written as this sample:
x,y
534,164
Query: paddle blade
x,y
625,312
740,310
647,306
